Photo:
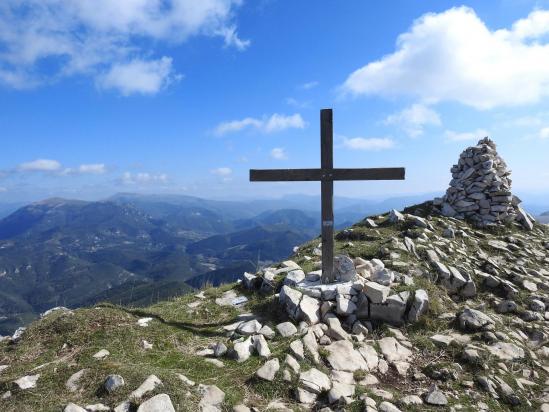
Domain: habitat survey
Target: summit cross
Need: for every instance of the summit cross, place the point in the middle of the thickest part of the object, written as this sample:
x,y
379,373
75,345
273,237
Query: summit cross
x,y
326,175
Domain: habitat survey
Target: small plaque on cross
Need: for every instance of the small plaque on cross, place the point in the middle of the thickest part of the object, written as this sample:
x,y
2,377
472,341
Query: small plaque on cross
x,y
326,175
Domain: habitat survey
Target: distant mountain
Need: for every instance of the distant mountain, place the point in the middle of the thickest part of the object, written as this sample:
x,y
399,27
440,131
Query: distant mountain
x,y
291,218
133,249
60,252
545,213
266,243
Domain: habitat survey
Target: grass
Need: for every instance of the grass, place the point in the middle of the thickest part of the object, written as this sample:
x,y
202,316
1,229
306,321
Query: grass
x,y
176,333
65,343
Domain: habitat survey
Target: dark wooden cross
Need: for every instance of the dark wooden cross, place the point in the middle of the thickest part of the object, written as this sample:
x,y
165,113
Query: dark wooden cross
x,y
326,175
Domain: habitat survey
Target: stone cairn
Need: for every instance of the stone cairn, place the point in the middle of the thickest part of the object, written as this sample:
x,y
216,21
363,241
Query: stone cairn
x,y
361,295
480,189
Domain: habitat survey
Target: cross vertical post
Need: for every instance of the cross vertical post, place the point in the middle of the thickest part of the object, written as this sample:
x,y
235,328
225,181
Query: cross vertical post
x,y
327,194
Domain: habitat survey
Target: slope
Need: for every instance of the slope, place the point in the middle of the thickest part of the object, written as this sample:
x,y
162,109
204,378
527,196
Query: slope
x,y
499,365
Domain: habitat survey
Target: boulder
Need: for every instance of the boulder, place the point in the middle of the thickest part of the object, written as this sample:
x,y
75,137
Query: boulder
x,y
113,382
472,320
435,397
392,311
294,277
375,292
344,268
158,403
268,370
243,350
251,327
342,356
74,379
420,306
395,216
290,299
344,306
286,329
315,381
27,382
261,346
309,310
210,395
393,351
149,385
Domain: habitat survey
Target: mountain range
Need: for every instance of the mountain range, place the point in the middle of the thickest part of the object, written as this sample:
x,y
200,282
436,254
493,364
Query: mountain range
x,y
136,249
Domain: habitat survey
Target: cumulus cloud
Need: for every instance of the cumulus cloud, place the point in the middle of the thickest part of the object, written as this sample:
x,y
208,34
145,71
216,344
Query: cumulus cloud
x,y
454,56
143,178
92,168
368,144
101,38
222,171
274,123
139,76
462,136
279,153
413,119
40,165
55,167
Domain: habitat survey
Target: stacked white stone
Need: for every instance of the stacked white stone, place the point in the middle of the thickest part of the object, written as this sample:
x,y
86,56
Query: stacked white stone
x,y
480,189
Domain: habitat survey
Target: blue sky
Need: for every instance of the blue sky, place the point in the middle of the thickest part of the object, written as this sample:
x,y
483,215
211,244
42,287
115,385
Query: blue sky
x,y
181,96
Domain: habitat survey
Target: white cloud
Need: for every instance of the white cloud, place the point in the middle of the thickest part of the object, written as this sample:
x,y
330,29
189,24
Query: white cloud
x,y
462,136
143,178
94,37
279,153
454,56
309,85
237,125
413,119
3,189
222,171
232,40
139,76
40,165
278,122
369,144
544,133
93,168
274,123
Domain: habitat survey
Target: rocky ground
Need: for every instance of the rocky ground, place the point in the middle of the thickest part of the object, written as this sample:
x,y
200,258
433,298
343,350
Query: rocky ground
x,y
430,313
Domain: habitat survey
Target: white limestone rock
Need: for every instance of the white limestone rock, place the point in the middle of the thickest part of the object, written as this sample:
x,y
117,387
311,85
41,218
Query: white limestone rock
x,y
210,395
315,381
286,329
375,292
150,384
158,403
243,350
268,370
342,356
393,351
27,382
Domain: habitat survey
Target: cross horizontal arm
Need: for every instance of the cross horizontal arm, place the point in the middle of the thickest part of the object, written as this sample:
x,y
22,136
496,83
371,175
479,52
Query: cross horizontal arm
x,y
285,175
383,173
307,175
